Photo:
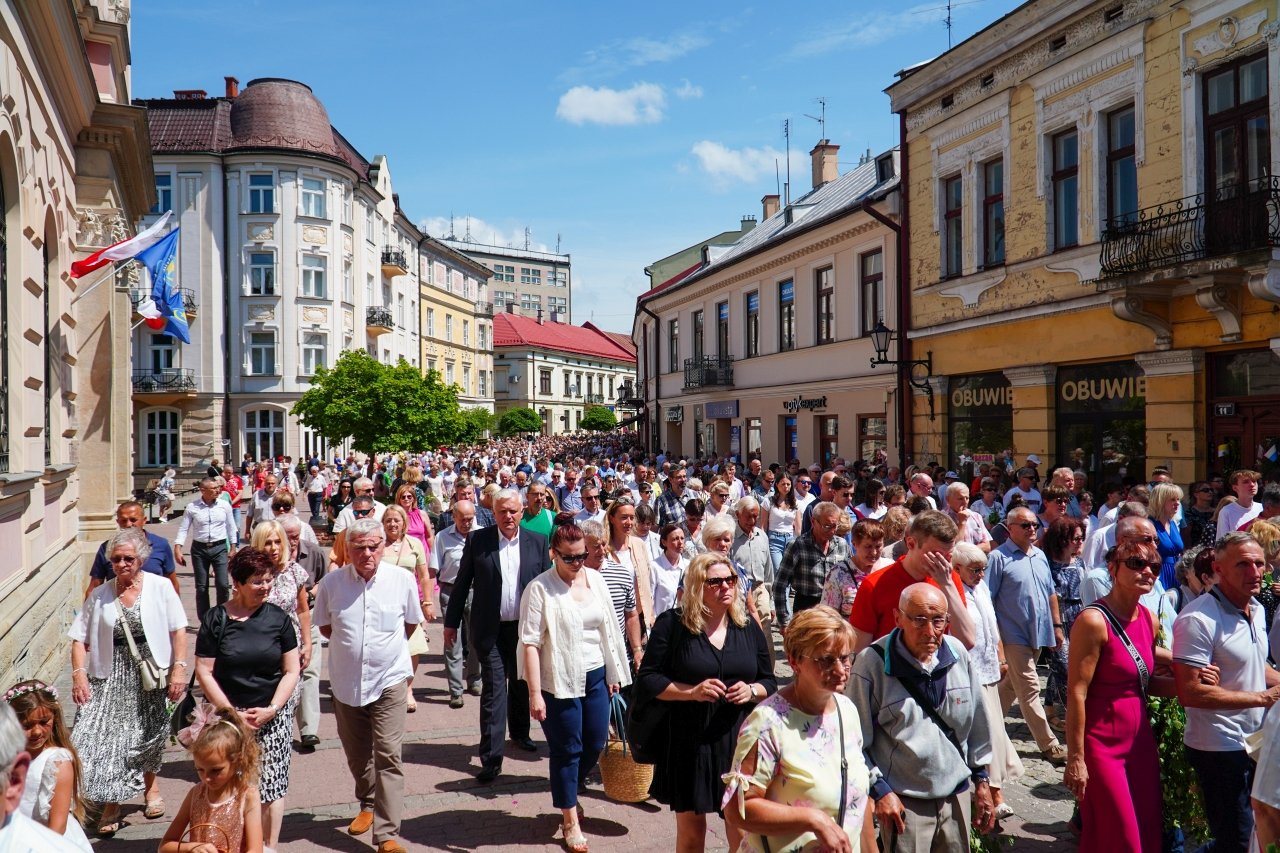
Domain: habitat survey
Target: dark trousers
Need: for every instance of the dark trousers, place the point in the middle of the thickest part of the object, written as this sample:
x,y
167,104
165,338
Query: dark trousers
x,y
576,731
316,501
1226,780
204,558
504,699
804,602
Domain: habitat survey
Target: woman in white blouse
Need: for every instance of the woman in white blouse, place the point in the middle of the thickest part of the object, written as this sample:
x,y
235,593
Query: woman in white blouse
x,y
573,659
668,569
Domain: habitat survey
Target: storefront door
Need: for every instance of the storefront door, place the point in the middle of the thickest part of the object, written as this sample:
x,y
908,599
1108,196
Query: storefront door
x,y
1102,426
790,440
1244,413
828,438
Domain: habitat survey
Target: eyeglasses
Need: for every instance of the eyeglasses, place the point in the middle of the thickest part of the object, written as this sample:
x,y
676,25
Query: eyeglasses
x,y
1025,525
978,570
1143,540
716,583
571,559
591,497
936,622
1077,538
828,662
1139,565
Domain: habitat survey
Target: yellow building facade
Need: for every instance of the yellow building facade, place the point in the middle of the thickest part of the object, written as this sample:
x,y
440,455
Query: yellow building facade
x,y
1094,249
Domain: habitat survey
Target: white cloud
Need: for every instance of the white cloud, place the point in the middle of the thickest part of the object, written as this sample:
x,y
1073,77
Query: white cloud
x,y
686,91
726,166
871,29
480,231
620,54
643,103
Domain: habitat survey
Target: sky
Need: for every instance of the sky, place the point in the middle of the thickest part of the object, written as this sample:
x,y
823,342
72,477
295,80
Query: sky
x,y
620,133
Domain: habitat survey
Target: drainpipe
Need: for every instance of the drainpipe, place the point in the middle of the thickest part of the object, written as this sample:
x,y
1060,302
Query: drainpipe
x,y
657,376
899,399
904,295
226,321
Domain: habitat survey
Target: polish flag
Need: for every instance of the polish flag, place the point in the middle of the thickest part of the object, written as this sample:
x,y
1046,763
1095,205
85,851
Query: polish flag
x,y
150,314
124,250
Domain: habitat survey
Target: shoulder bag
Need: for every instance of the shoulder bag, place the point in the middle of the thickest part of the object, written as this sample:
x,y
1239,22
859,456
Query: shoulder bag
x,y
647,716
149,672
187,705
1144,674
844,778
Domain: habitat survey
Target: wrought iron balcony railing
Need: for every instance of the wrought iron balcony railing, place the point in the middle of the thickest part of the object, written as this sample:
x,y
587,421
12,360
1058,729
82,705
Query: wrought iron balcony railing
x,y
189,303
167,380
708,371
378,320
595,399
1223,221
394,262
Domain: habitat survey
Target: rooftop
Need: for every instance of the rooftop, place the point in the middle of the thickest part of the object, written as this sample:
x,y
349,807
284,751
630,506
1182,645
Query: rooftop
x,y
513,330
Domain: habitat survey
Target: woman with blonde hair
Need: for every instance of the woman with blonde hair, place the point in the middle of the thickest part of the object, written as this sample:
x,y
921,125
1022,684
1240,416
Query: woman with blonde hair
x,y
710,663
1166,498
406,552
417,523
633,552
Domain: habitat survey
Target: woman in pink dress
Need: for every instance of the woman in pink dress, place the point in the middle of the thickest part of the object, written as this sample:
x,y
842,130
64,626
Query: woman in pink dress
x,y
419,522
1112,765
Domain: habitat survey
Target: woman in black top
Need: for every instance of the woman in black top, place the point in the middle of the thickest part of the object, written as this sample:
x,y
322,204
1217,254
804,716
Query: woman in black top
x,y
340,499
711,664
247,659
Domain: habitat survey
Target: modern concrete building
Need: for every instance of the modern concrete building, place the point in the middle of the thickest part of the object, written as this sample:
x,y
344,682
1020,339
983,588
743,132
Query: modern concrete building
x,y
531,281
75,176
456,321
764,349
293,250
557,369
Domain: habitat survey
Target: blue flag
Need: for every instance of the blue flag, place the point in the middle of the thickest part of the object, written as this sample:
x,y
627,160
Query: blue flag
x,y
161,263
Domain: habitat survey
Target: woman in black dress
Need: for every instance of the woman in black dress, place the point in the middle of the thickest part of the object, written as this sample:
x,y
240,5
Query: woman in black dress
x,y
711,664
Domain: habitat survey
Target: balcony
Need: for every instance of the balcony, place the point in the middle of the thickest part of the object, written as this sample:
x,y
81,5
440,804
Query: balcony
x,y
168,381
594,399
189,304
394,262
628,398
484,309
378,321
1226,221
708,372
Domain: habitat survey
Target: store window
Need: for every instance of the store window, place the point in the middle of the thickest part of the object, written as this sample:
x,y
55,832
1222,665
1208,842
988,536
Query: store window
x,y
1102,423
790,439
873,438
754,438
828,438
264,433
981,419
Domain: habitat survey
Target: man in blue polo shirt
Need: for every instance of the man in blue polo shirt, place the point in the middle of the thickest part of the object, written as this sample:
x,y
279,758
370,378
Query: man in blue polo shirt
x,y
129,514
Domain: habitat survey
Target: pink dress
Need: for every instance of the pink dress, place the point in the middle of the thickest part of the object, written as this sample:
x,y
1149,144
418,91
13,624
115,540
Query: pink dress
x,y
220,824
1122,804
418,529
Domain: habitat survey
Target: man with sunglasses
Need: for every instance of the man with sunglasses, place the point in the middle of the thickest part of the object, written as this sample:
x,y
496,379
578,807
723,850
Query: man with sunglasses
x,y
1026,605
567,495
362,488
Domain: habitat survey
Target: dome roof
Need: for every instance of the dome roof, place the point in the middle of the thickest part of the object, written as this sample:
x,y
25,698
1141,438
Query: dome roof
x,y
274,113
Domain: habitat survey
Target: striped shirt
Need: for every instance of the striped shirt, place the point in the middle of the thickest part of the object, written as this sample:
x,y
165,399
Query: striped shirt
x,y
621,581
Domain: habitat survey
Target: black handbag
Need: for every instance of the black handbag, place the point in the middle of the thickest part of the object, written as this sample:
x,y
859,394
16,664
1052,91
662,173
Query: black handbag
x,y
648,717
186,707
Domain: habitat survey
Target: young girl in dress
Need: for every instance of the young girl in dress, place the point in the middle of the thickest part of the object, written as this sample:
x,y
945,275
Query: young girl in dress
x,y
222,813
52,794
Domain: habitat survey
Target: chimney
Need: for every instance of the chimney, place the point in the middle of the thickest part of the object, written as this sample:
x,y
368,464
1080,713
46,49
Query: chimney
x,y
233,86
770,203
190,94
748,222
511,308
824,163
539,316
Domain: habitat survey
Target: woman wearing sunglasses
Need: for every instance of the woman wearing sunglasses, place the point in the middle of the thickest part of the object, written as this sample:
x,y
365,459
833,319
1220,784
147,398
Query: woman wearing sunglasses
x,y
710,664
573,659
1112,765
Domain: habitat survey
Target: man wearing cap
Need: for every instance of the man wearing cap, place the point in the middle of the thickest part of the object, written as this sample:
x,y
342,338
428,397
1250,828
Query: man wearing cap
x,y
947,479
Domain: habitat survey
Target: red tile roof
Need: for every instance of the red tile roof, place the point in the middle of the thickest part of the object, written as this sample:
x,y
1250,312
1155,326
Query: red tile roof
x,y
671,282
512,330
619,338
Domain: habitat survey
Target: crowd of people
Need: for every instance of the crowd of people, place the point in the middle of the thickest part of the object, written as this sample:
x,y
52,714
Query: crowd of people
x,y
914,608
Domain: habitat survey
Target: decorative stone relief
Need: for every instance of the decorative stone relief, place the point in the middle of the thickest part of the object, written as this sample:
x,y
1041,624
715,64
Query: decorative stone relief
x,y
1265,284
262,313
970,288
346,243
348,321
260,233
315,314
1230,31
315,234
96,228
1132,307
1218,298
1172,363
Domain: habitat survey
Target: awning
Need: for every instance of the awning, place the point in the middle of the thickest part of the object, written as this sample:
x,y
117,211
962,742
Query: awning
x,y
626,422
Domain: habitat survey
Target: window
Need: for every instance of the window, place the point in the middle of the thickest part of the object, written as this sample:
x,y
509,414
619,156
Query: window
x,y
1236,127
722,330
368,289
824,300
448,327
484,385
466,379
346,208
313,197
786,316
313,352
160,439
466,333
872,436
697,336
1066,190
164,194
558,278
264,433
313,276
568,384
431,322
400,311
952,233
348,282
504,272
370,223
262,274
482,336
558,304
993,214
673,345
753,324
164,353
1122,169
448,372
262,353
871,270
530,302
262,194
431,365
530,276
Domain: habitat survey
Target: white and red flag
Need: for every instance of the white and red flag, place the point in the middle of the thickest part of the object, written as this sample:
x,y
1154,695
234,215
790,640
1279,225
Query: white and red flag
x,y
124,250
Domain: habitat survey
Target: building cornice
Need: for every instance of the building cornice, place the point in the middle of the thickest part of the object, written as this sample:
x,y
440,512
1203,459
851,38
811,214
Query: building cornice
x,y
122,131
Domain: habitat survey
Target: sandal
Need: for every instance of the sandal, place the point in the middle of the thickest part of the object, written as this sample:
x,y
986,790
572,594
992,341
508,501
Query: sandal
x,y
574,840
110,821
154,808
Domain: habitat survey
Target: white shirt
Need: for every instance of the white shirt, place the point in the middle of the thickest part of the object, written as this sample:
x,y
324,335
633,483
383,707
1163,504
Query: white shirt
x,y
802,503
316,484
348,515
162,614
446,553
985,654
215,522
874,514
368,650
666,581
586,515
1097,545
1233,516
21,834
261,510
509,560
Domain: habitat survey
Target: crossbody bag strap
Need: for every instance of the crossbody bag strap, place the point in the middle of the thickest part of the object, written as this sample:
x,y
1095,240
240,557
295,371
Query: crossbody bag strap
x,y
1144,674
128,636
913,689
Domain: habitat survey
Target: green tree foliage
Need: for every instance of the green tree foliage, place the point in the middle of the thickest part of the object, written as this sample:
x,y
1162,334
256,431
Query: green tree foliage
x,y
517,421
598,418
475,423
383,408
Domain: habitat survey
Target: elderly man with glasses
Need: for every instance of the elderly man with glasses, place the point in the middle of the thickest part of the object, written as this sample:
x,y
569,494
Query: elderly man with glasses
x,y
592,506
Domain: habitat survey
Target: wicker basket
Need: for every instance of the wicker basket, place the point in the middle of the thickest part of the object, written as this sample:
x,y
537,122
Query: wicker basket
x,y
625,781
189,837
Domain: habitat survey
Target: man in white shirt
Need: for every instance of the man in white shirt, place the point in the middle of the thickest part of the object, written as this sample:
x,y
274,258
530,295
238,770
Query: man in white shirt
x,y
362,486
1026,489
972,529
803,487
446,558
591,508
315,485
212,526
260,505
368,667
1235,516
922,486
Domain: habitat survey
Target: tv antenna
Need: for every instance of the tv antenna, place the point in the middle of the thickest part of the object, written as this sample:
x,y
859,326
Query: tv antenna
x,y
526,238
451,235
557,244
821,119
786,132
947,23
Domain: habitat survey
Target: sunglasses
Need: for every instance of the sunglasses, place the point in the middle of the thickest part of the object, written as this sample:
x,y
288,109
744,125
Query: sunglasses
x,y
572,559
1138,564
1025,525
716,583
361,513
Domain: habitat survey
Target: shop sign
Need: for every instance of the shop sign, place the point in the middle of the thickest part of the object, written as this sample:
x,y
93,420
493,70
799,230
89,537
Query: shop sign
x,y
981,458
801,403
722,409
984,395
1224,410
675,414
1120,387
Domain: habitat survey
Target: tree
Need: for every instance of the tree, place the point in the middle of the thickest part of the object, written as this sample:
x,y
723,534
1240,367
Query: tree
x,y
517,421
475,423
381,408
598,419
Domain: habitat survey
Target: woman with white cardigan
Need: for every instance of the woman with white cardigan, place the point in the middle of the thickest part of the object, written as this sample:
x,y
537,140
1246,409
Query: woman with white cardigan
x,y
121,728
573,658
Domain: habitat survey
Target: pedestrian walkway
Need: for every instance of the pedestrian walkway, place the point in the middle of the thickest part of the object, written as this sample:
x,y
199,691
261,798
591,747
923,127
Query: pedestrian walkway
x,y
445,809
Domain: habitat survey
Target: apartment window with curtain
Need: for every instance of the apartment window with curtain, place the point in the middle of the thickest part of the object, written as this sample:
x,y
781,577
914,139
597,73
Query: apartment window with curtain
x,y
466,333
1237,128
348,283
786,315
448,327
1066,189
314,345
1122,167
262,353
262,274
752,315
673,345
952,227
871,275
431,322
722,330
314,269
313,191
993,213
825,302
697,336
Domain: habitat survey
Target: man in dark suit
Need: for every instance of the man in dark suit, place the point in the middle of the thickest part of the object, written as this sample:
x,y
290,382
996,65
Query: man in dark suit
x,y
497,564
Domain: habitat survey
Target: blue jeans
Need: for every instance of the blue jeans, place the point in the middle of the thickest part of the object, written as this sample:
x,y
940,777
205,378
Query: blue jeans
x,y
1226,781
777,544
576,731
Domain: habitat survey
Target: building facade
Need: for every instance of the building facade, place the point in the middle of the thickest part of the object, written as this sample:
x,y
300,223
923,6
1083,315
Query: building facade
x,y
557,369
531,281
75,176
456,321
765,349
1095,225
689,259
293,249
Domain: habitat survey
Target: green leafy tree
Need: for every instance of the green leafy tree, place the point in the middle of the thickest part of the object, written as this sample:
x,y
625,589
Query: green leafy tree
x,y
598,418
517,421
381,408
475,423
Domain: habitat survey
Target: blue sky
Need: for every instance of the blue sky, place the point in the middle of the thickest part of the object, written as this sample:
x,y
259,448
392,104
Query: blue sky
x,y
629,131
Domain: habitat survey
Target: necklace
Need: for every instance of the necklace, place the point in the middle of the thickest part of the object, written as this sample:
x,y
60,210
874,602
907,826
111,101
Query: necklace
x,y
133,584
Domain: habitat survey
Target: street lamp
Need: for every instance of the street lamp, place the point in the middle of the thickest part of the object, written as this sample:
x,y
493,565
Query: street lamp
x,y
918,371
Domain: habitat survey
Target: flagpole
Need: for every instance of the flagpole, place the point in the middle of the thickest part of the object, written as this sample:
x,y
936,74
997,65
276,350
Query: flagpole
x,y
115,267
